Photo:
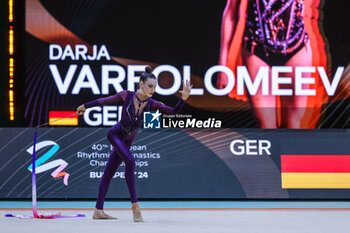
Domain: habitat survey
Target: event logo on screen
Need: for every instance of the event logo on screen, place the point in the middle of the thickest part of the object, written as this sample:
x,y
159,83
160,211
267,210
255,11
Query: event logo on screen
x,y
151,120
42,164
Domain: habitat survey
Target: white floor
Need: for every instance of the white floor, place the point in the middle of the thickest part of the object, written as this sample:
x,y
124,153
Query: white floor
x,y
180,221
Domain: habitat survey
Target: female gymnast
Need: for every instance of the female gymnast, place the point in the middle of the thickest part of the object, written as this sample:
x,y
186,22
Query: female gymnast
x,y
274,33
123,133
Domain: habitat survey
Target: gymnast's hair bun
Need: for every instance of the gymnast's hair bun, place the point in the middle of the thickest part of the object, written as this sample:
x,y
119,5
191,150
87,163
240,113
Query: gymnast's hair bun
x,y
148,69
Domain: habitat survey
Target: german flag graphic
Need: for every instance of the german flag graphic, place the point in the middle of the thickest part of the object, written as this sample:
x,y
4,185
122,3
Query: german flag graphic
x,y
54,117
315,171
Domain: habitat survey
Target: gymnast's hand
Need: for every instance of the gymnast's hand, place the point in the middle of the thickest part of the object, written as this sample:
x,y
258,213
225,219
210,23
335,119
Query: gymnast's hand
x,y
80,110
185,93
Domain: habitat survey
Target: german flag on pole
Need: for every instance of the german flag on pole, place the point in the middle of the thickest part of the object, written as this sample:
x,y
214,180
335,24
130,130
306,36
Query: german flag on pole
x,y
315,171
55,118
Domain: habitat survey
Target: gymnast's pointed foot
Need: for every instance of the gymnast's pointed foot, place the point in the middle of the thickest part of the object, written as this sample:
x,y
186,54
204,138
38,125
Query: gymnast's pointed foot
x,y
100,214
136,212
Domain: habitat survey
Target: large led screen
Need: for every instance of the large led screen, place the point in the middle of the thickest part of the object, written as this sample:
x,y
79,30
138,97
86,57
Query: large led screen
x,y
252,63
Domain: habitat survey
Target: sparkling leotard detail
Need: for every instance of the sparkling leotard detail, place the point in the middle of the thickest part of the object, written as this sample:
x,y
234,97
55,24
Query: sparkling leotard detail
x,y
276,26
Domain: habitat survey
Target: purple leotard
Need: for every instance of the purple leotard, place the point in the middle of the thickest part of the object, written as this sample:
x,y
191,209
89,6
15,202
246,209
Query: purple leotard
x,y
122,135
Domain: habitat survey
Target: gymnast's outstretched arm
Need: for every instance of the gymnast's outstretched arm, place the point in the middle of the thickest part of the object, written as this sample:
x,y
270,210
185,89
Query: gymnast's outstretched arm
x,y
185,93
167,109
118,98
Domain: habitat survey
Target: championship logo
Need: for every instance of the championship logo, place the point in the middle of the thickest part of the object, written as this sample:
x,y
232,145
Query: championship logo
x,y
45,163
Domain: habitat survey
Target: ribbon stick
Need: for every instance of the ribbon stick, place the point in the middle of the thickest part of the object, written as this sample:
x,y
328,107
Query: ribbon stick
x,y
35,213
57,173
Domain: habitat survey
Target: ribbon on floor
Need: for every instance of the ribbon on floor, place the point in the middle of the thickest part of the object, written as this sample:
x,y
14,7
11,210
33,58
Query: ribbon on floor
x,y
34,198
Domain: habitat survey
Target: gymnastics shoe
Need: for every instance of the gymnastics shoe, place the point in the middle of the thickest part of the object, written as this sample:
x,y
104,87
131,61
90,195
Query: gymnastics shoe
x,y
136,213
100,214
